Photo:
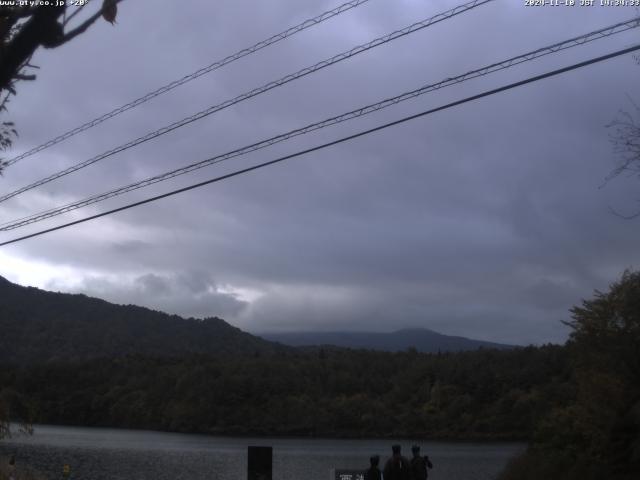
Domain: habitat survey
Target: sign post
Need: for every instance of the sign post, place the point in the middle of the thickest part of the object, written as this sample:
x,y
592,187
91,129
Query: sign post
x,y
259,463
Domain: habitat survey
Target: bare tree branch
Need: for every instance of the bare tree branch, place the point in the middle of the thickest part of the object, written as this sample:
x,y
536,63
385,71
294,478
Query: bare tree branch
x,y
83,26
76,11
626,217
22,76
625,139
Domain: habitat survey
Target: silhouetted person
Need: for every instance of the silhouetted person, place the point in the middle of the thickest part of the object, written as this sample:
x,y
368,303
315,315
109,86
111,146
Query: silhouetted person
x,y
12,467
374,472
419,464
397,467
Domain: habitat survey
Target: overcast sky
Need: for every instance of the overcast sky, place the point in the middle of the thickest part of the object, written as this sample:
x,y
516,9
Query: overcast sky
x,y
485,220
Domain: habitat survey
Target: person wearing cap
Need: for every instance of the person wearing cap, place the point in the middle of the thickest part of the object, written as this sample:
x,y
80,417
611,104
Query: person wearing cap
x,y
374,472
419,464
397,467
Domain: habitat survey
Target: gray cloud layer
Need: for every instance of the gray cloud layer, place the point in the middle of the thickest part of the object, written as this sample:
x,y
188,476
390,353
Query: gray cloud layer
x,y
486,220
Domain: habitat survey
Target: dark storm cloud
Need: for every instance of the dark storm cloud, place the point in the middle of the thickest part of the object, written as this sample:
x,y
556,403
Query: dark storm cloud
x,y
486,220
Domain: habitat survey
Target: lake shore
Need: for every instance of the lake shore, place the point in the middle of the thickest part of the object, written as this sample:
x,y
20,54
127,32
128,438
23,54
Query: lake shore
x,y
114,454
247,433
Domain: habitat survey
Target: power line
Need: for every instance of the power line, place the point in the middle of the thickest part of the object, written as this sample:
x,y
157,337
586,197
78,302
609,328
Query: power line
x,y
334,142
540,52
257,91
192,76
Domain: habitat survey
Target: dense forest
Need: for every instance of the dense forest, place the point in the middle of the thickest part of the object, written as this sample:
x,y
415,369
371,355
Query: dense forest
x,y
483,394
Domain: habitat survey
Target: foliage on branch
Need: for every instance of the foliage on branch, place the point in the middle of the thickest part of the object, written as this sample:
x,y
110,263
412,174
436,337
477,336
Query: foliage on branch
x,y
597,435
24,29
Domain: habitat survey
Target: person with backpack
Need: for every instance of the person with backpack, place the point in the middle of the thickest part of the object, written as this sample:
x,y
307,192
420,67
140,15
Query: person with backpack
x,y
419,464
397,467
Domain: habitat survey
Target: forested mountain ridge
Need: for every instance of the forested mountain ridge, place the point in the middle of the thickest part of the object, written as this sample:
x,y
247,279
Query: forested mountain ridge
x,y
422,339
39,326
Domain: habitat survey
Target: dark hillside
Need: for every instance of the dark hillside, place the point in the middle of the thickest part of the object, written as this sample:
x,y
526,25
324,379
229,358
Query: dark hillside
x,y
39,326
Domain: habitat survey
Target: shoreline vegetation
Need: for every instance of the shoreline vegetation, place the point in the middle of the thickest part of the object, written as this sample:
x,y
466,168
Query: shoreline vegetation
x,y
482,395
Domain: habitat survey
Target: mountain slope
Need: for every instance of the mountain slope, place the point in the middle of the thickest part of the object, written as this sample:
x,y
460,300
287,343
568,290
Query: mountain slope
x,y
422,340
39,326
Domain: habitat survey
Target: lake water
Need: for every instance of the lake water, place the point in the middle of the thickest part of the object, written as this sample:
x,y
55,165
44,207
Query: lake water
x,y
107,454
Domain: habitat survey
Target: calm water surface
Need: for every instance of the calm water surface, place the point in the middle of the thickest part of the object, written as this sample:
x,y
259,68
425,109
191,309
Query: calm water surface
x,y
101,454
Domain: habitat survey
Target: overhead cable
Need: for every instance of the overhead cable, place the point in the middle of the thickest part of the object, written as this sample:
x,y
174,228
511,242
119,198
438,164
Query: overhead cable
x,y
256,91
334,142
192,76
365,110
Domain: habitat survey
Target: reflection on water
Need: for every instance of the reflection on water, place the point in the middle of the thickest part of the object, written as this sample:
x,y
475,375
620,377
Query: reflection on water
x,y
105,454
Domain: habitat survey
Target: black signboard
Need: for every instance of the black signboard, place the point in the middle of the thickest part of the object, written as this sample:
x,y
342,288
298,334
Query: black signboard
x,y
259,463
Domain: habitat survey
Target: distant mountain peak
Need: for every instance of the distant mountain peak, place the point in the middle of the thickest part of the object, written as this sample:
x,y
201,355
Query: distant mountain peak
x,y
422,339
415,329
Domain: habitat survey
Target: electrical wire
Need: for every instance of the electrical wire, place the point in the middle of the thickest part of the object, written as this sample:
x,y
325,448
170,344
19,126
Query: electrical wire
x,y
192,76
529,56
252,93
334,142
